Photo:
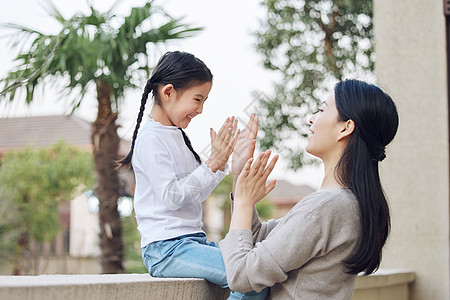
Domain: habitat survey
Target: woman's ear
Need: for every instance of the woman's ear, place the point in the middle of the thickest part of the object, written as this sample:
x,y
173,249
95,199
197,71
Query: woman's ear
x,y
347,129
168,92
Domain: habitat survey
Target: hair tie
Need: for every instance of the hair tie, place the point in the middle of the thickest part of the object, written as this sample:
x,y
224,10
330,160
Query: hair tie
x,y
380,157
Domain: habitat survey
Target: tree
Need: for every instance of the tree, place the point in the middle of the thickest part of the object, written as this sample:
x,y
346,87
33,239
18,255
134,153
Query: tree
x,y
107,52
311,44
34,183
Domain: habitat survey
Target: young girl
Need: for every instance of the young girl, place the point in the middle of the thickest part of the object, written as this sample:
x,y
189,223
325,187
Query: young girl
x,y
318,248
171,179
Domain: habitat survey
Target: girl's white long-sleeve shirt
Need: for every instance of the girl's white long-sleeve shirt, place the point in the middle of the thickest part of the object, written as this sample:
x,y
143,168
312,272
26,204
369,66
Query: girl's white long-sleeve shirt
x,y
170,184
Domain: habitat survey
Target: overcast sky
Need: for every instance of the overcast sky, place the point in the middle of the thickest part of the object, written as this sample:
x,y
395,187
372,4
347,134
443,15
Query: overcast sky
x,y
227,46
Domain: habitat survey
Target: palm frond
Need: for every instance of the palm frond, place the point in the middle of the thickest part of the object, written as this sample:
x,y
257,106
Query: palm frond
x,y
20,28
30,73
89,49
137,16
53,11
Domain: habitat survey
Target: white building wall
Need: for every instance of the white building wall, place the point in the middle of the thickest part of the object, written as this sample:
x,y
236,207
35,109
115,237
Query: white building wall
x,y
84,229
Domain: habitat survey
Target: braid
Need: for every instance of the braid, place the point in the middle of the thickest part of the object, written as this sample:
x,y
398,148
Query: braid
x,y
126,161
189,145
147,90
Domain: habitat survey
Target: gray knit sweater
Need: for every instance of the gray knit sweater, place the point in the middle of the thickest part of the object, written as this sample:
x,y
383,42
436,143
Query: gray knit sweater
x,y
300,255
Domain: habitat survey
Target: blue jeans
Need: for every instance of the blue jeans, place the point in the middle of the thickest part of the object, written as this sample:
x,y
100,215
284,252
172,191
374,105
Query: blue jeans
x,y
191,256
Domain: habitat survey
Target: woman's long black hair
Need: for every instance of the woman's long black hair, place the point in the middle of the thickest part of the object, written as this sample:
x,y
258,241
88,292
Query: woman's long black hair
x,y
376,122
182,70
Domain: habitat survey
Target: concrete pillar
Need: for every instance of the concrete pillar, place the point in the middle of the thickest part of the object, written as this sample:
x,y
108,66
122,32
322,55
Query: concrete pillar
x,y
411,65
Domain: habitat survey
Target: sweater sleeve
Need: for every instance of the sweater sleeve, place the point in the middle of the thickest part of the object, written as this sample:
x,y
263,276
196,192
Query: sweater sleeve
x,y
260,230
256,266
175,189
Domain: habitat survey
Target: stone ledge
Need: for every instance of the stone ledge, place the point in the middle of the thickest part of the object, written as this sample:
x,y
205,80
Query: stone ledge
x,y
108,287
385,278
143,286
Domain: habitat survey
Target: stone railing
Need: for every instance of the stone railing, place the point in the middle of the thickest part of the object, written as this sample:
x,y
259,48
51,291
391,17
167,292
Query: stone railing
x,y
386,285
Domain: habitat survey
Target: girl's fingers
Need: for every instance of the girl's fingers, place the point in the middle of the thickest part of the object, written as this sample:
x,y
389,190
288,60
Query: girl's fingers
x,y
224,126
212,134
235,135
226,134
248,127
254,128
235,123
230,132
234,141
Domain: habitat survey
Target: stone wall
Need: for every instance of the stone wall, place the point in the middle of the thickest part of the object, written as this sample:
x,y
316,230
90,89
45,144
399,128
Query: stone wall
x,y
411,65
384,285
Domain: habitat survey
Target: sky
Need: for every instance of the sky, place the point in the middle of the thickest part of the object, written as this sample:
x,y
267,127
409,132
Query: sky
x,y
226,45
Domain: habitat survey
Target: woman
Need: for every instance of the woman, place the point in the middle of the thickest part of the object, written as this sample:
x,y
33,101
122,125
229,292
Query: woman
x,y
318,248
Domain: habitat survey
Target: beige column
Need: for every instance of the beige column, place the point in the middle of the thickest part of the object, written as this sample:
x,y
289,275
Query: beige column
x,y
411,65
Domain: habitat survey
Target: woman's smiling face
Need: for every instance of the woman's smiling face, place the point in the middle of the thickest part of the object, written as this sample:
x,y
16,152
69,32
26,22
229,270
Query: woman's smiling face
x,y
325,129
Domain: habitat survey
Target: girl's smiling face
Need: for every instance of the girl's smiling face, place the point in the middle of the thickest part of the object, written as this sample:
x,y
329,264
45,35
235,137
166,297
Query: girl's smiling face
x,y
184,105
325,129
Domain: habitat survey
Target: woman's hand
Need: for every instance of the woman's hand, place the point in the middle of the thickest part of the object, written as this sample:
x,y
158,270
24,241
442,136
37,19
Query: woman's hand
x,y
222,144
251,184
250,188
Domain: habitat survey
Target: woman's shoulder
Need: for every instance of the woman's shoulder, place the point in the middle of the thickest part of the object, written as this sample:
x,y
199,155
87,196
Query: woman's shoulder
x,y
339,200
340,194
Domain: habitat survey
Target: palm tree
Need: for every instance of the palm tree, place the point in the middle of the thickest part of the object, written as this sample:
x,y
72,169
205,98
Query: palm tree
x,y
107,51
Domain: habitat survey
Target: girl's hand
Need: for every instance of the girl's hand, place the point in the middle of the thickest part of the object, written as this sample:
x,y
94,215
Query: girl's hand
x,y
251,183
222,144
245,146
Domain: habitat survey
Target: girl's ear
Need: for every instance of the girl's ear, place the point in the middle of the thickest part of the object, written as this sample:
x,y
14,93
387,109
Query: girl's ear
x,y
347,129
168,92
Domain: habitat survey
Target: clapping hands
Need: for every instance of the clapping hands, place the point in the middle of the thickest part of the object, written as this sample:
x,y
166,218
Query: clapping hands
x,y
245,146
222,144
249,180
251,183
